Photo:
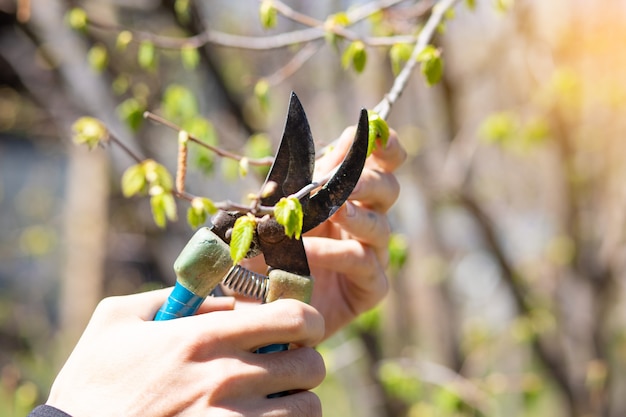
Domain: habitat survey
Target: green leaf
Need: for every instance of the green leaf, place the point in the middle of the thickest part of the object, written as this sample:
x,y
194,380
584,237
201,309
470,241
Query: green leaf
x,y
124,38
355,55
261,92
179,104
499,127
206,205
399,54
163,206
241,238
120,84
169,203
190,57
203,130
76,18
89,131
268,14
195,219
503,6
157,175
134,180
181,7
199,210
471,4
398,251
447,400
158,210
244,167
288,213
399,383
259,146
532,387
229,169
146,56
369,321
377,129
432,64
535,132
340,19
98,57
131,111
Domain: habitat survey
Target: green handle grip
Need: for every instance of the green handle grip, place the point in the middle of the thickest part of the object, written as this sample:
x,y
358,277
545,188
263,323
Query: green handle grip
x,y
199,268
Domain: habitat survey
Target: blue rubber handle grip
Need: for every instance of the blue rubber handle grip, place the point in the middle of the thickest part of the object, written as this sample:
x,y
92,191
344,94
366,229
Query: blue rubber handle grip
x,y
180,303
273,348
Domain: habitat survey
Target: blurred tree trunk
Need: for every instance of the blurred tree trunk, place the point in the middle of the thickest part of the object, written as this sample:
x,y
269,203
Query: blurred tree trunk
x,y
85,230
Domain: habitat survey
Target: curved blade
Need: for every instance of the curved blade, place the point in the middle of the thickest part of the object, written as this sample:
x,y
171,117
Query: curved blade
x,y
335,192
293,165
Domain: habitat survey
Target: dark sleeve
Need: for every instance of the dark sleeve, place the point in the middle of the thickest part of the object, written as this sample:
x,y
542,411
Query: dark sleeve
x,y
47,411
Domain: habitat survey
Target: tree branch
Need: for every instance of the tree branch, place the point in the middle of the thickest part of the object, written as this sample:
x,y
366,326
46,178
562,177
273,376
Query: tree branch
x,y
218,151
426,34
317,31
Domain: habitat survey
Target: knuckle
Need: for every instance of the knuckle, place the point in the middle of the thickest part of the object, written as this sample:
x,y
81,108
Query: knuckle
x,y
393,185
295,314
108,305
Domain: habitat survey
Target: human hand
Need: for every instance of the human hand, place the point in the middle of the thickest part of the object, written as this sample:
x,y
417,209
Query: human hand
x,y
348,254
125,364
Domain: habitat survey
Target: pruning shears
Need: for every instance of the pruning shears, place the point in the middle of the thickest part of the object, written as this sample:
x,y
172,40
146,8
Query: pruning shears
x,y
205,261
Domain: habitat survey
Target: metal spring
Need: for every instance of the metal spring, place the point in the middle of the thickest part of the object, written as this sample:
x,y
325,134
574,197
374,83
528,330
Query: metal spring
x,y
247,283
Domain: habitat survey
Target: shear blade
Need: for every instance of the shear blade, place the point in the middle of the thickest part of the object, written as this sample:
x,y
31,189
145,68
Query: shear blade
x,y
293,165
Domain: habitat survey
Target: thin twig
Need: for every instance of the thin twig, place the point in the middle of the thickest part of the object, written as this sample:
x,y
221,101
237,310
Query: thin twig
x,y
218,151
294,64
297,17
125,148
341,30
384,107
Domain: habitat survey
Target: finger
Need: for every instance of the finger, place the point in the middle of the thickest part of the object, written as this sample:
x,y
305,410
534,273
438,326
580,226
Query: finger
x,y
358,262
142,305
366,226
145,305
305,403
377,190
291,370
255,375
390,157
282,321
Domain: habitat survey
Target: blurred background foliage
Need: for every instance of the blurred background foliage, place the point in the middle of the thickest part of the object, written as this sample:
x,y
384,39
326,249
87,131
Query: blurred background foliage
x,y
507,268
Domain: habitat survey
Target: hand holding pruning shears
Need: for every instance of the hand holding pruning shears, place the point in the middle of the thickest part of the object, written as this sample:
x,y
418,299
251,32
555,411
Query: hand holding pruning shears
x,y
127,364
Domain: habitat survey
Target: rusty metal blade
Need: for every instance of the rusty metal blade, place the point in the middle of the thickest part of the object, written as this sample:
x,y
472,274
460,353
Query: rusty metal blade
x,y
336,191
293,165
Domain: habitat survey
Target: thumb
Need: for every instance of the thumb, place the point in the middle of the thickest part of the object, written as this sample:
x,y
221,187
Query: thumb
x,y
142,305
145,305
